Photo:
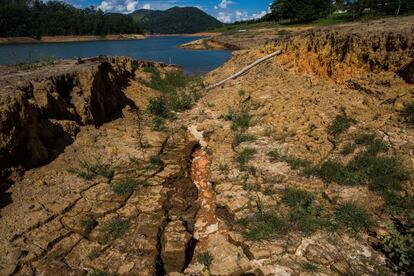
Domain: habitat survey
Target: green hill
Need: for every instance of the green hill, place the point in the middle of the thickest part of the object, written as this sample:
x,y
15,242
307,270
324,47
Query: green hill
x,y
175,20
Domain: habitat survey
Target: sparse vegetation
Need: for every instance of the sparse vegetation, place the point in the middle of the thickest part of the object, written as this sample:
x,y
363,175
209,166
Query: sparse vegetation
x,y
241,137
88,224
294,163
408,113
245,156
400,244
155,160
348,149
340,124
205,258
124,187
241,119
264,225
116,228
224,168
310,267
89,171
353,216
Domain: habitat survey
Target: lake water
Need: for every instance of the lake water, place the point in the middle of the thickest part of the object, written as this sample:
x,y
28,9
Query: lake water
x,y
163,49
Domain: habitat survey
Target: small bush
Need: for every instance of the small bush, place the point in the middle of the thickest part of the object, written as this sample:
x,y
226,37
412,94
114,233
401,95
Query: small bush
x,y
348,149
340,124
408,113
265,225
116,228
353,216
240,119
293,162
88,224
224,169
241,138
245,156
88,171
333,171
205,258
400,245
296,197
124,187
155,160
310,267
158,124
158,107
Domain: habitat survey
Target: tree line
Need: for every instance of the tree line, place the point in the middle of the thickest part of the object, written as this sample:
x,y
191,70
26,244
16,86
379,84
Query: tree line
x,y
297,11
36,19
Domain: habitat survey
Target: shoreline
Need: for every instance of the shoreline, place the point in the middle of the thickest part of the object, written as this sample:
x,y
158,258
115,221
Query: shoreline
x,y
85,38
70,38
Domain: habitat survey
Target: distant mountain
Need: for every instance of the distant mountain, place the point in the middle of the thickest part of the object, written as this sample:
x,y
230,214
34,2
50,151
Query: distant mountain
x,y
175,20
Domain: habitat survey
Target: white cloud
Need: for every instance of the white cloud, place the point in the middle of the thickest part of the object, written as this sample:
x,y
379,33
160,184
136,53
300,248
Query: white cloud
x,y
123,6
146,6
258,15
224,3
224,17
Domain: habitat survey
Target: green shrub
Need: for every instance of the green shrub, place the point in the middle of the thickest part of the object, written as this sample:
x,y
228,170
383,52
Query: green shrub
x,y
88,224
155,160
158,107
399,246
205,258
296,197
88,171
293,162
382,172
245,156
310,267
116,228
240,119
348,149
353,216
265,225
224,169
241,138
408,112
124,187
333,171
340,124
158,124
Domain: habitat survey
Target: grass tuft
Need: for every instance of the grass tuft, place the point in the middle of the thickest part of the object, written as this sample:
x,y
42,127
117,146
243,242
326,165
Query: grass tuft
x,y
408,112
353,216
245,156
124,187
340,124
205,258
310,268
89,171
116,228
241,138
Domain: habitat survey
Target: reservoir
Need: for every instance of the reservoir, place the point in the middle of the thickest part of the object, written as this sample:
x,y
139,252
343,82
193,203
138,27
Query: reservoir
x,y
162,48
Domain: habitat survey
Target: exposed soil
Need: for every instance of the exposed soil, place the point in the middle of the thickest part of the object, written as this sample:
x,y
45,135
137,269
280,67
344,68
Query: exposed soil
x,y
191,194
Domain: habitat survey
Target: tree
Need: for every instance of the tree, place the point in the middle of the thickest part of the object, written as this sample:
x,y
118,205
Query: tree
x,y
300,10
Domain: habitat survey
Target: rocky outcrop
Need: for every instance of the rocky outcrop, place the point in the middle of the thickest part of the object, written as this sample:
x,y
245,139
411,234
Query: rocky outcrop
x,y
43,109
347,51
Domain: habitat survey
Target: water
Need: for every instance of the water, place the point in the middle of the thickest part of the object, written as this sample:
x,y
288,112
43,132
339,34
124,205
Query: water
x,y
163,49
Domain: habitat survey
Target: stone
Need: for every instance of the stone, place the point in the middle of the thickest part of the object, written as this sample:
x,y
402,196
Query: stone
x,y
176,239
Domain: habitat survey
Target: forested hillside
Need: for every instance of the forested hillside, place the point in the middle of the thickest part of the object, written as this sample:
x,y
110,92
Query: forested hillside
x,y
35,18
175,20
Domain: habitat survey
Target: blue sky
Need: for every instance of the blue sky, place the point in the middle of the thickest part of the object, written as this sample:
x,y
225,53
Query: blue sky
x,y
224,10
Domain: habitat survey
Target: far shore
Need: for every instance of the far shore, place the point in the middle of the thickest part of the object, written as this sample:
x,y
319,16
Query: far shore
x,y
78,38
69,38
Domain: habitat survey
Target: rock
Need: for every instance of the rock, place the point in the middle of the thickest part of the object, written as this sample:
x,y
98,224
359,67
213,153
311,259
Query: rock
x,y
317,254
174,247
341,267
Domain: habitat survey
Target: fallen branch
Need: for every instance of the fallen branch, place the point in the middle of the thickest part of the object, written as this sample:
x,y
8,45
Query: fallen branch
x,y
245,69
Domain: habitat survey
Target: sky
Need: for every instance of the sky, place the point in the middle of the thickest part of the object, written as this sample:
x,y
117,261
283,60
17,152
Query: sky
x,y
224,10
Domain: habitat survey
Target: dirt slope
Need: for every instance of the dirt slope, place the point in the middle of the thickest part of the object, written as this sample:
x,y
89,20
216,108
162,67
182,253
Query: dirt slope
x,y
217,192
